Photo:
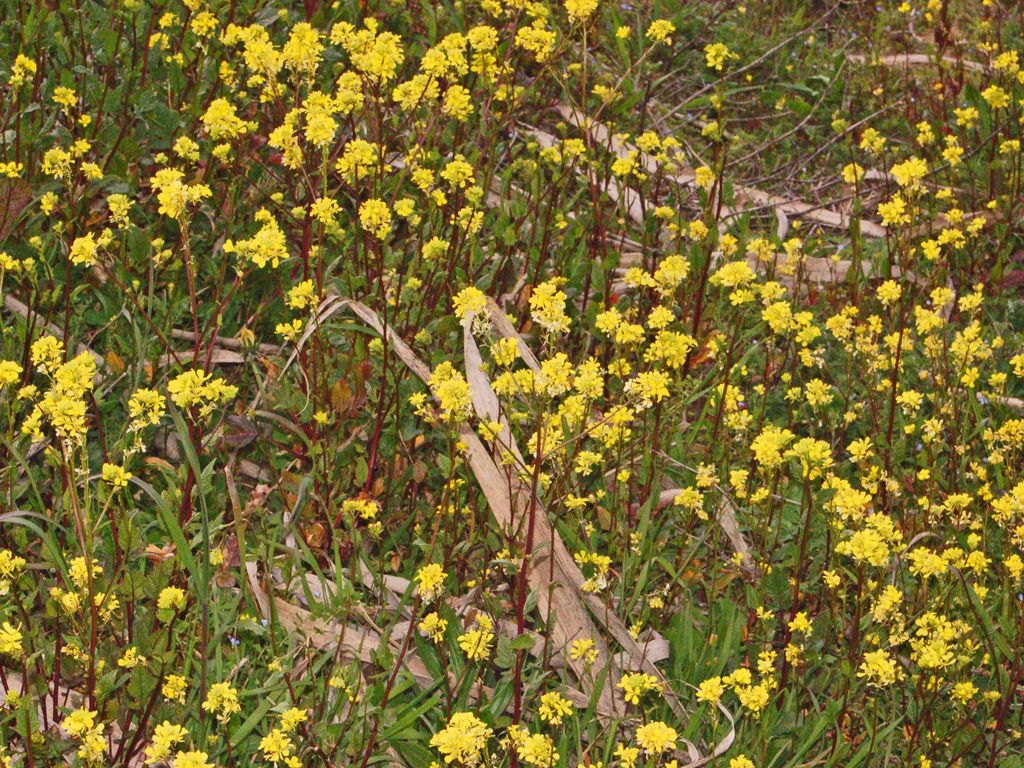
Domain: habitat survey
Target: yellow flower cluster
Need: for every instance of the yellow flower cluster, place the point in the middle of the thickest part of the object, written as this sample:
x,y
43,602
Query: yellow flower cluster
x,y
63,406
463,740
198,389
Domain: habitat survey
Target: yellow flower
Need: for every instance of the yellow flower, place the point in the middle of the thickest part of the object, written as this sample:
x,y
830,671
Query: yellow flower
x,y
879,669
192,760
768,446
203,24
174,688
894,211
458,102
536,39
996,97
537,750
276,746
649,386
10,640
716,55
753,697
173,195
889,292
580,10
79,572
375,218
866,546
627,755
373,54
222,699
171,599
815,456
925,134
199,389
733,275
79,722
926,563
553,378
964,692
116,475
64,96
131,658
434,627
553,707
710,690
660,30
10,372
584,650
430,581
547,307
656,737
291,718
953,152
463,740
119,206
22,67
83,250
303,49
704,177
452,391
47,354
222,121
909,173
872,141
10,564
476,642
267,246
166,736
636,684
800,623
359,160
290,330
365,509
145,408
302,295
469,299
1014,565
852,173
93,747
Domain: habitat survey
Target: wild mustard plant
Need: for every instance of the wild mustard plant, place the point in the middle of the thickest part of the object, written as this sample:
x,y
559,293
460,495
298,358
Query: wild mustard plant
x,y
504,383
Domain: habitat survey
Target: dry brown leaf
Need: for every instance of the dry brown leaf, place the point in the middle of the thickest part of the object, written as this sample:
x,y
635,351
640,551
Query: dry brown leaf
x,y
505,328
570,620
566,569
746,197
15,194
912,60
750,197
358,643
226,341
1012,402
218,357
353,641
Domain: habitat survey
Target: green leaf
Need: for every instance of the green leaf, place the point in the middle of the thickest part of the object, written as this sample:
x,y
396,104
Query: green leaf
x,y
523,642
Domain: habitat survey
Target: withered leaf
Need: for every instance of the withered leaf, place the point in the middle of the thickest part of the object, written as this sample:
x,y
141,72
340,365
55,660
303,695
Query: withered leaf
x,y
15,194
